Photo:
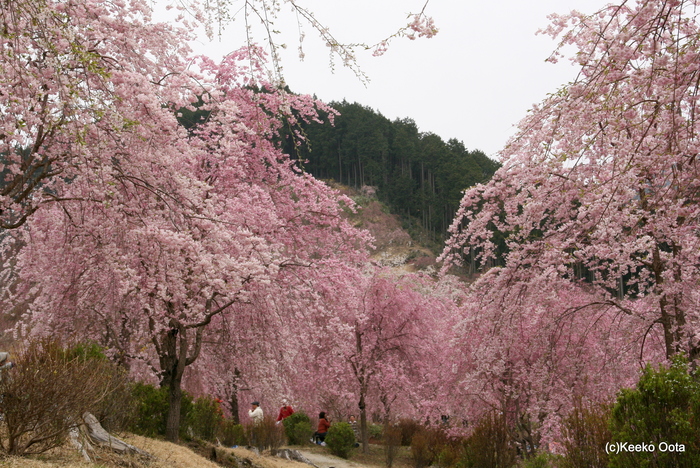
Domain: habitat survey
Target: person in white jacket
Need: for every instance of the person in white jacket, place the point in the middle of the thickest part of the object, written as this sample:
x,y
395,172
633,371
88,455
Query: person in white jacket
x,y
4,363
256,413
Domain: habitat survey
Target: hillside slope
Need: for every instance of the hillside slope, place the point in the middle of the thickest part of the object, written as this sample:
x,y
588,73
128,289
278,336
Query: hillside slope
x,y
393,245
167,455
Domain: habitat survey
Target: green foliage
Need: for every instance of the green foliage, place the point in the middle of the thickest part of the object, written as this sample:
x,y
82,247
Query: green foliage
x,y
205,418
420,176
233,434
192,117
86,351
340,439
297,428
585,432
663,410
151,410
301,433
544,460
450,455
375,431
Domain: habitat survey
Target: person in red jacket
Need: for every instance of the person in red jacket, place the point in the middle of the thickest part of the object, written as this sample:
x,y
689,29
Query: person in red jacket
x,y
285,411
323,425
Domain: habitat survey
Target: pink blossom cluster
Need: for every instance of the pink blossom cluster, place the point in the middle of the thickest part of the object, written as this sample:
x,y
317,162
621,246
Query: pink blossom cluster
x,y
594,216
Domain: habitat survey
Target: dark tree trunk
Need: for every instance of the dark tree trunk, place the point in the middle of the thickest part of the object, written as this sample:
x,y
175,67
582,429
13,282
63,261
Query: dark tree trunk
x,y
172,425
233,400
364,433
173,351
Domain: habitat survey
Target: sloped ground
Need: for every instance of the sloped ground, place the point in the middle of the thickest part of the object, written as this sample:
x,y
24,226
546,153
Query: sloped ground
x,y
167,455
393,246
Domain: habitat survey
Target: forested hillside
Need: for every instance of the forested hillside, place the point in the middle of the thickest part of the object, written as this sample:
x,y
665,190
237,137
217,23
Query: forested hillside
x,y
418,175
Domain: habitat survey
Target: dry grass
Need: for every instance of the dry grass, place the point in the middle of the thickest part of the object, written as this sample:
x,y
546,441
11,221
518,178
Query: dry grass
x,y
59,457
167,455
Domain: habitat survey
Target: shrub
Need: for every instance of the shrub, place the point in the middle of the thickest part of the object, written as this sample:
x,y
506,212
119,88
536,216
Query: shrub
x,y
664,408
266,434
425,446
47,393
205,418
392,441
151,410
450,455
489,444
116,412
340,439
232,433
584,434
408,428
544,460
302,432
297,428
375,431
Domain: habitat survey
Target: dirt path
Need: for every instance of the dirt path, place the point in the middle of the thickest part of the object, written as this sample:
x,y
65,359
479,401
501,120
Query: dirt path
x,y
329,461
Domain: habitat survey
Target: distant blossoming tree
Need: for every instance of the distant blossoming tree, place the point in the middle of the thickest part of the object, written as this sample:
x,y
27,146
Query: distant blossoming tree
x,y
175,227
158,231
595,211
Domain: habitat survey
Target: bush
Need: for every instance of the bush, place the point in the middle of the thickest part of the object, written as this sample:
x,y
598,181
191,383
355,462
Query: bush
x,y
392,441
664,408
297,428
302,433
265,435
375,431
489,444
544,460
408,428
584,434
151,410
450,455
47,393
233,434
116,412
205,418
340,439
426,444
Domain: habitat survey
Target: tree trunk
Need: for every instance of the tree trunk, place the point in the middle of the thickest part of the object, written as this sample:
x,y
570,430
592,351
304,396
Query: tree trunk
x,y
363,423
172,425
233,400
173,360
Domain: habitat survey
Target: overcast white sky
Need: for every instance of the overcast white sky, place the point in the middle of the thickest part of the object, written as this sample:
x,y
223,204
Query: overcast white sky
x,y
473,81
